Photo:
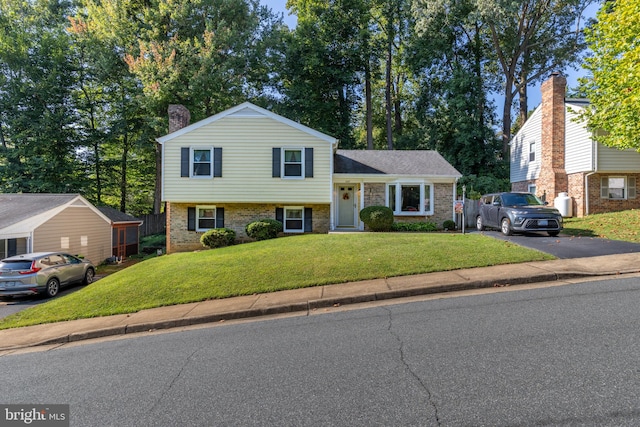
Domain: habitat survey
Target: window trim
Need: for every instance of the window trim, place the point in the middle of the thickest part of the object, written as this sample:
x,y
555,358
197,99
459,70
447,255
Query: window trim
x,y
283,162
532,151
215,217
398,197
607,187
192,149
284,219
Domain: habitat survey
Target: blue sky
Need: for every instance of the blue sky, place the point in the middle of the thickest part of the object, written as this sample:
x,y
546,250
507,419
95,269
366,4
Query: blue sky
x,y
572,75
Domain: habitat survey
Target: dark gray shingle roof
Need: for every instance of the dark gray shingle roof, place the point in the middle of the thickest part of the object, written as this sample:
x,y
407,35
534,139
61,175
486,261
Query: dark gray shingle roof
x,y
393,162
18,207
117,216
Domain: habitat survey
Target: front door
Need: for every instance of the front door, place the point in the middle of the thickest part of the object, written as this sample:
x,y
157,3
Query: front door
x,y
346,206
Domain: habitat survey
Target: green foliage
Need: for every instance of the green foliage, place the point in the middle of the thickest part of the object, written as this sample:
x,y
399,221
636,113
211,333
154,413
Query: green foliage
x,y
614,88
414,226
377,218
264,229
449,225
218,238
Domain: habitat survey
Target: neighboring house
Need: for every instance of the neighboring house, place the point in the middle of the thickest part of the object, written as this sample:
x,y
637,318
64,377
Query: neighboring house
x,y
53,222
125,230
555,153
247,163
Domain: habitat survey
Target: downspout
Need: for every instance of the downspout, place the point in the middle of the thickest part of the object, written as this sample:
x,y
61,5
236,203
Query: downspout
x,y
594,170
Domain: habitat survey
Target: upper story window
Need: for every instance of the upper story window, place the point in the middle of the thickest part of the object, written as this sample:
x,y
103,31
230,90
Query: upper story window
x,y
292,162
618,187
532,151
410,198
202,162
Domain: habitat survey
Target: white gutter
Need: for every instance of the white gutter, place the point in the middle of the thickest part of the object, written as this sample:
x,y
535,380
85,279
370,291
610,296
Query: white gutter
x,y
594,170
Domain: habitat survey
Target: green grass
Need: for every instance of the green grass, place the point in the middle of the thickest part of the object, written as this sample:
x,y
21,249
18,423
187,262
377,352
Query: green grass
x,y
271,265
623,225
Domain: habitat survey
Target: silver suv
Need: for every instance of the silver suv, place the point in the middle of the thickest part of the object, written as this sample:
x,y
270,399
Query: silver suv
x,y
517,212
42,273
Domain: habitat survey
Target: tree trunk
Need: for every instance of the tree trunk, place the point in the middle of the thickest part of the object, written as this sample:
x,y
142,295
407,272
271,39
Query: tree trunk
x,y
387,90
123,174
368,104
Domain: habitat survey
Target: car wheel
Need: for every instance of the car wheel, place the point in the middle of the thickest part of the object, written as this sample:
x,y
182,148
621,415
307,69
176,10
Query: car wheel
x,y
553,233
505,227
479,224
88,277
53,286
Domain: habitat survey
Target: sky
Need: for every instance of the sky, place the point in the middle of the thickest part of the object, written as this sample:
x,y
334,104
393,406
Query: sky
x,y
279,6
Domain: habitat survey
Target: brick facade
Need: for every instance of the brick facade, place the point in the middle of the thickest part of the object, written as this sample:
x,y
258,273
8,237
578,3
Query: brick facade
x,y
374,195
553,177
236,217
598,204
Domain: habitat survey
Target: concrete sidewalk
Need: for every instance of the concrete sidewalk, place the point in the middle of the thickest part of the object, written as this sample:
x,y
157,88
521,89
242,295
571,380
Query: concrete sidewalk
x,y
301,300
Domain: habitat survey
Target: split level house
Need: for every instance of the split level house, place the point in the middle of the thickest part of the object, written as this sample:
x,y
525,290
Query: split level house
x,y
247,163
554,153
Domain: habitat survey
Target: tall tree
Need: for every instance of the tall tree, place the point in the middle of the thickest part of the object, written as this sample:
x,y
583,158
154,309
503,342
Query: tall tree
x,y
530,39
40,140
207,55
614,86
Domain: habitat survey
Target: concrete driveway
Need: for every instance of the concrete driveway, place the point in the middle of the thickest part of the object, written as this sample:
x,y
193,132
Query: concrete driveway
x,y
564,246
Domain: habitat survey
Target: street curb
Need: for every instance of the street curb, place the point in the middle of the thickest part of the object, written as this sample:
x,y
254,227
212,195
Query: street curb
x,y
311,305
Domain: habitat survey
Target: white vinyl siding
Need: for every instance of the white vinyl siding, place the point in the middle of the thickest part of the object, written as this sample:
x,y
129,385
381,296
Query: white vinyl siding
x,y
247,144
613,160
578,143
521,168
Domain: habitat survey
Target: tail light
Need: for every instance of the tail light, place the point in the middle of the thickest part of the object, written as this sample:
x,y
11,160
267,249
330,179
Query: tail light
x,y
32,270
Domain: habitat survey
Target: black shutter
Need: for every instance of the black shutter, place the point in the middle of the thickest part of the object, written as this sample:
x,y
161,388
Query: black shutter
x,y
280,215
308,162
308,224
217,162
12,249
184,161
276,163
219,217
191,219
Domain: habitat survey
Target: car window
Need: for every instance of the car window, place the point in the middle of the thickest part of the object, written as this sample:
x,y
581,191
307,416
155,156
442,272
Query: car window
x,y
57,260
71,259
15,265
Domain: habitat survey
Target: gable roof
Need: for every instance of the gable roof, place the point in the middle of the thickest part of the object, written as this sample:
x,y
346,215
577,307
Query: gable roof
x,y
393,162
249,110
24,212
118,217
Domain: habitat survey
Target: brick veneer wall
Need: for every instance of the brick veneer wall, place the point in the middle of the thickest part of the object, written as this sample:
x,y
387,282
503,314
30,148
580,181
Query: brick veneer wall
x,y
600,205
553,177
236,217
374,195
576,192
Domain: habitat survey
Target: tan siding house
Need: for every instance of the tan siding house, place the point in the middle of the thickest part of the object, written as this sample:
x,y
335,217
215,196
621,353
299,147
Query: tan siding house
x,y
53,222
567,160
247,163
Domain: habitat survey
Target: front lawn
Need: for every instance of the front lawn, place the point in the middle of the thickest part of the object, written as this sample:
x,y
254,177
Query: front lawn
x,y
623,225
271,265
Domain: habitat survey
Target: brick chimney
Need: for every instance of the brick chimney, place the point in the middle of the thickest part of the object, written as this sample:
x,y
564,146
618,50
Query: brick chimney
x,y
553,177
179,117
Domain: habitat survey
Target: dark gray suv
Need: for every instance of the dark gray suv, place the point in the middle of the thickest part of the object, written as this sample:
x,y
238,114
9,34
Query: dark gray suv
x,y
517,212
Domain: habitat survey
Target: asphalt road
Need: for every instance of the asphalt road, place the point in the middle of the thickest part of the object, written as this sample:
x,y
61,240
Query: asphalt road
x,y
564,355
564,246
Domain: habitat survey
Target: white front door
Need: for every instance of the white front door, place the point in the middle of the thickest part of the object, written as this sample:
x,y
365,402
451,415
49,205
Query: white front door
x,y
346,206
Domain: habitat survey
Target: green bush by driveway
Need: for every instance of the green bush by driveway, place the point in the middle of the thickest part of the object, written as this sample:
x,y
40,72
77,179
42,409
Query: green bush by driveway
x,y
271,265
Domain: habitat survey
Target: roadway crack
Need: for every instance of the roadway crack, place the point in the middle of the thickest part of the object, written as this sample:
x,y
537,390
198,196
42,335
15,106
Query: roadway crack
x,y
422,383
173,380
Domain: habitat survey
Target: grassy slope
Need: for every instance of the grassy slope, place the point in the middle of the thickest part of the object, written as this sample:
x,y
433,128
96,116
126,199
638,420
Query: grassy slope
x,y
623,225
285,263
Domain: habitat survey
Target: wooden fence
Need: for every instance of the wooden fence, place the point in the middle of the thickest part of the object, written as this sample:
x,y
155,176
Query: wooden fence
x,y
470,214
153,224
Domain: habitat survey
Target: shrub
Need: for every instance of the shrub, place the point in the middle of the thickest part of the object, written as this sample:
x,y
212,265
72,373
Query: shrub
x,y
264,229
218,238
449,225
377,218
415,226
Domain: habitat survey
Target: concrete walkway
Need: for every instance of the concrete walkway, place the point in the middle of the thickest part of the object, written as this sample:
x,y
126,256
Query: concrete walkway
x,y
301,300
